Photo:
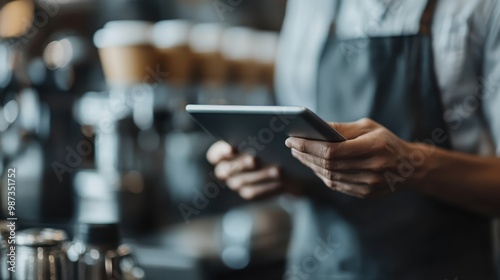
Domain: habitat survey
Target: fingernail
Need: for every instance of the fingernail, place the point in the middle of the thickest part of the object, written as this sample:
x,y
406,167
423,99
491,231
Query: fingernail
x,y
273,172
250,161
247,193
228,149
288,143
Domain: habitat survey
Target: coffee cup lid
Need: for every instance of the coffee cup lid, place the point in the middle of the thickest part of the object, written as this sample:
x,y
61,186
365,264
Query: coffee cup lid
x,y
171,33
123,33
238,43
125,24
206,37
266,46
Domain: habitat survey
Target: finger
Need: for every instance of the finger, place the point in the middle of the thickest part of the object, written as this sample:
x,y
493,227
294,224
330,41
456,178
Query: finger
x,y
355,129
348,176
365,178
352,189
356,146
347,149
333,165
356,190
261,191
253,178
333,176
373,180
220,151
241,163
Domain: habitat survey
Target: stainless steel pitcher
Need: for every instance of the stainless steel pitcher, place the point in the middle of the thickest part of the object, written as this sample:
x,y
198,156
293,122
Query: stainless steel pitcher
x,y
98,255
40,255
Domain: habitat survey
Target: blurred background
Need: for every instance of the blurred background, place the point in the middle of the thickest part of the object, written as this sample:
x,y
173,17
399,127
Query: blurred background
x,y
92,97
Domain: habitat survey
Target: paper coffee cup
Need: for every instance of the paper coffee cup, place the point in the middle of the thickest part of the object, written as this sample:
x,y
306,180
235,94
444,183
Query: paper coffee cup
x,y
170,37
264,53
237,48
126,53
205,42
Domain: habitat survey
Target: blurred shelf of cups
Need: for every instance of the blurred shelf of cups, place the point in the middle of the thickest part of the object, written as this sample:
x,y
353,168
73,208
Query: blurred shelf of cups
x,y
250,56
232,64
176,55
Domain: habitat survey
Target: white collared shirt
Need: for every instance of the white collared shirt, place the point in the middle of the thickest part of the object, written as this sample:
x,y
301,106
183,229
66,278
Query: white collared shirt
x,y
466,41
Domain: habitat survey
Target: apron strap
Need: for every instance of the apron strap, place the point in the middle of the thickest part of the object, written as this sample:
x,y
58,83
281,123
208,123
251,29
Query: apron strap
x,y
427,17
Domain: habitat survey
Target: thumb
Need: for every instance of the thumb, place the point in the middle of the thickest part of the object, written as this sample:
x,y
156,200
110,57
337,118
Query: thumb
x,y
352,130
220,151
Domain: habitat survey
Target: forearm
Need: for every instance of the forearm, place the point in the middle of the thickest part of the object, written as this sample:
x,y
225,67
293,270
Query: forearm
x,y
470,181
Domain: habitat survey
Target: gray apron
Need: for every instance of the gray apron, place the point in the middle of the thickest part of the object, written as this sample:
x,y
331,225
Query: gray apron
x,y
406,235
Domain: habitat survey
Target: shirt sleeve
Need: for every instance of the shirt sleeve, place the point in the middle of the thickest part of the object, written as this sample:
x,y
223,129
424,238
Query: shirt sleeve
x,y
491,75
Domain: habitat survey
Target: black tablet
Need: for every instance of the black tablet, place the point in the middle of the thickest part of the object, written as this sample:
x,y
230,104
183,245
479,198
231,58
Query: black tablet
x,y
262,131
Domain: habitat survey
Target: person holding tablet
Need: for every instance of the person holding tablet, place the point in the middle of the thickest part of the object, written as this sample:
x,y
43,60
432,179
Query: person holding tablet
x,y
415,88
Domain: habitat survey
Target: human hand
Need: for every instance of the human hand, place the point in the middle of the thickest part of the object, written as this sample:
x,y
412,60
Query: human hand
x,y
366,165
244,175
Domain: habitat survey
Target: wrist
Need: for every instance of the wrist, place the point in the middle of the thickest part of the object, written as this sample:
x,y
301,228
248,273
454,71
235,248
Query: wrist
x,y
421,161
